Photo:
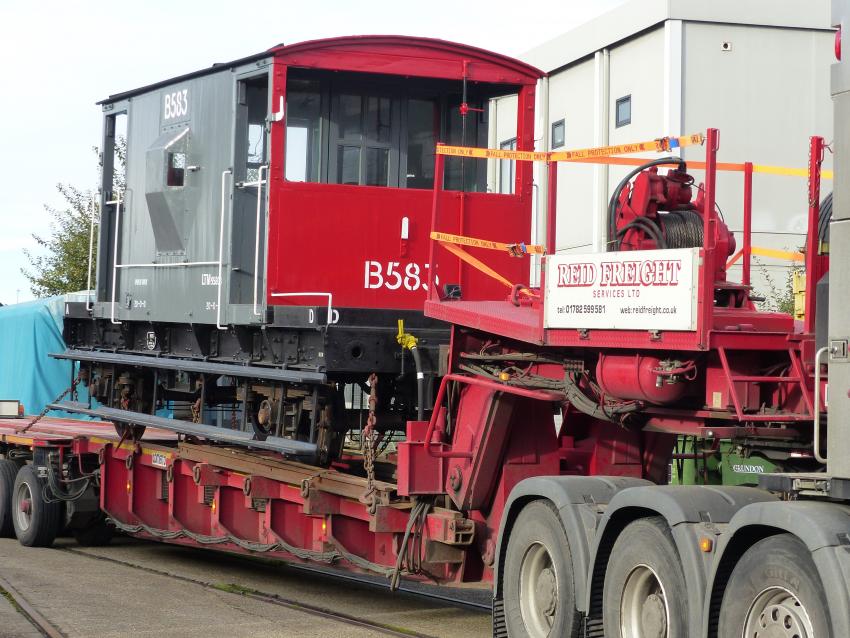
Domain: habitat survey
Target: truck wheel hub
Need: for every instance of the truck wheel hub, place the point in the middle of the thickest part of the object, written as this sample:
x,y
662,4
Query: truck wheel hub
x,y
653,617
546,594
777,613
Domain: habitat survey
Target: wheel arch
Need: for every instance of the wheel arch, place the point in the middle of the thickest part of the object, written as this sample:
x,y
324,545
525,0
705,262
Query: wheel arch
x,y
689,511
577,500
823,527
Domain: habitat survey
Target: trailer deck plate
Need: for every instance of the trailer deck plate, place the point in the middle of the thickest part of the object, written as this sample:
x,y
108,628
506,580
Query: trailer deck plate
x,y
192,365
209,432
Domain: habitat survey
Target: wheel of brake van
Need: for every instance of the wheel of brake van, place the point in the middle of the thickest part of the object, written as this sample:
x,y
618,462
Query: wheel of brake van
x,y
644,594
8,472
539,591
775,590
36,521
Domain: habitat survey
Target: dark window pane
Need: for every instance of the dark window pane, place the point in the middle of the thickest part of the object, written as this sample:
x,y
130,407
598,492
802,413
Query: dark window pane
x,y
377,166
469,175
558,134
303,133
624,110
378,115
348,165
423,130
349,116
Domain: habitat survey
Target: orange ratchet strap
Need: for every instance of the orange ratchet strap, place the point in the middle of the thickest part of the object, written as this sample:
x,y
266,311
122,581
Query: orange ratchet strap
x,y
606,155
518,249
476,263
659,145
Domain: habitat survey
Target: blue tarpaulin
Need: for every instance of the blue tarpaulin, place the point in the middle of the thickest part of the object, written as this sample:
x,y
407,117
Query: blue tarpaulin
x,y
29,333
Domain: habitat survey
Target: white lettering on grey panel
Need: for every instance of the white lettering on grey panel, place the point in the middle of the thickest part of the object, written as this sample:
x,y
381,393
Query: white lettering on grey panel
x,y
175,104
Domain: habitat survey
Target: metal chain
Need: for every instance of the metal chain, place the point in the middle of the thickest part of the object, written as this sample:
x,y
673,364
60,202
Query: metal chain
x,y
47,408
369,497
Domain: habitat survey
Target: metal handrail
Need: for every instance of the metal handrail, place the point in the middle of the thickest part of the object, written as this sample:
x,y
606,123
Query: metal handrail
x,y
91,252
259,184
224,175
117,202
816,408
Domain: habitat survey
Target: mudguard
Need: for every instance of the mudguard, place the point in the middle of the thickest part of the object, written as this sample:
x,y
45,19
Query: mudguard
x,y
691,511
823,527
579,501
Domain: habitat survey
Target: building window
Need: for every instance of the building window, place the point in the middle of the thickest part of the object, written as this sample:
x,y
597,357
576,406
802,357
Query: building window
x,y
624,111
558,133
507,169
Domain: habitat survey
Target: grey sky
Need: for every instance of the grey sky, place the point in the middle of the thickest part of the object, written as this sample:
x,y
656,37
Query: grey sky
x,y
61,57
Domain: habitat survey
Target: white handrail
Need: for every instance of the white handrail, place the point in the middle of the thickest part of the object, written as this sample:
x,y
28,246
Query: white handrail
x,y
260,183
91,251
329,295
816,429
224,175
176,264
117,202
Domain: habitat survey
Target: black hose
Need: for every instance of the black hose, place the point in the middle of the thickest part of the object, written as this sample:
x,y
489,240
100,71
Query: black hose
x,y
648,225
586,405
55,489
420,384
615,197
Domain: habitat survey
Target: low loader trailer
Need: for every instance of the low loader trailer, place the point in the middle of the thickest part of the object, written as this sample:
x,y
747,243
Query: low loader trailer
x,y
542,470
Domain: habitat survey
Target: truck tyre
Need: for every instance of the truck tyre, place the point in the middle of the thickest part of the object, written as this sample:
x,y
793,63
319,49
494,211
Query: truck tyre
x,y
538,577
775,590
8,472
644,594
36,521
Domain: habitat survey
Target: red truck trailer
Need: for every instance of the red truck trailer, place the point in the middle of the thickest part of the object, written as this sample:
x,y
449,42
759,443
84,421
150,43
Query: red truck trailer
x,y
542,469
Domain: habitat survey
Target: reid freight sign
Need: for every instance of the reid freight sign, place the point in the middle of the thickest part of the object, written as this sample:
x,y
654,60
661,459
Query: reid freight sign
x,y
632,290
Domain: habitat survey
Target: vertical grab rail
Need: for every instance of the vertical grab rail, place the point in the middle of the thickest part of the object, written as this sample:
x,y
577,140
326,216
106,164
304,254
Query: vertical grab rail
x,y
91,251
117,202
747,253
260,183
814,268
439,169
224,175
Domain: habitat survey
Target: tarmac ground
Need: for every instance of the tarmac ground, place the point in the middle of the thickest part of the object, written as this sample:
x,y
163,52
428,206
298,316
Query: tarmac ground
x,y
141,588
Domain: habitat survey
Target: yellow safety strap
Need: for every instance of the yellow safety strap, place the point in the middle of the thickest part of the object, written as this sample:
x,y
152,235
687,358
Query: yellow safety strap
x,y
768,252
461,254
515,250
658,145
784,170
605,155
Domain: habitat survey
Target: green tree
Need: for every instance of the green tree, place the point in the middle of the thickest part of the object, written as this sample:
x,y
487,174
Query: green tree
x,y
60,265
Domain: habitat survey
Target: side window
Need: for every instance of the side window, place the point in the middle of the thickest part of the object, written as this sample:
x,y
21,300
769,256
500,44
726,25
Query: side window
x,y
176,169
623,111
364,142
256,152
558,134
303,132
466,174
507,169
423,131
